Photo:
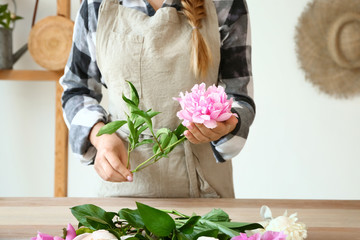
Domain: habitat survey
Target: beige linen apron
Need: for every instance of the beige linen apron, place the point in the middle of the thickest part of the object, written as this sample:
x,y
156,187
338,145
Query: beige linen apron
x,y
154,54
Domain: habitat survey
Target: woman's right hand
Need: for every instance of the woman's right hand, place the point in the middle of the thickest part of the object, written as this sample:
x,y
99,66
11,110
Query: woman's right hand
x,y
111,158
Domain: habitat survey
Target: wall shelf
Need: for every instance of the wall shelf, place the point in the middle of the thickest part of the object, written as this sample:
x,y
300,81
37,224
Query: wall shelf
x,y
61,131
30,75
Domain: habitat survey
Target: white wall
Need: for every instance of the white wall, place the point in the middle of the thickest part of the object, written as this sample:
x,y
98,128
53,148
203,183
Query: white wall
x,y
303,144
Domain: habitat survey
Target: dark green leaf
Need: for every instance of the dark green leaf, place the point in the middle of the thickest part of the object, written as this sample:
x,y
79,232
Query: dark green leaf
x,y
117,232
217,215
81,213
133,93
164,224
97,223
3,7
188,227
180,236
111,127
240,227
132,217
179,131
221,228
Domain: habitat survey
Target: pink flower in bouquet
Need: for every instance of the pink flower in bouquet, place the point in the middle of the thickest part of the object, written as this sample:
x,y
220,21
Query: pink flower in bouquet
x,y
70,235
204,106
269,235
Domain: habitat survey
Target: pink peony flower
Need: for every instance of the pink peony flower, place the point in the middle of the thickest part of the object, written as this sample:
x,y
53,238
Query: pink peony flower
x,y
269,235
204,106
71,234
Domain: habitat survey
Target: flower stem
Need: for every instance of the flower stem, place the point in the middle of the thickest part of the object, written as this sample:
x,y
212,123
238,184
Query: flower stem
x,y
128,153
157,142
144,164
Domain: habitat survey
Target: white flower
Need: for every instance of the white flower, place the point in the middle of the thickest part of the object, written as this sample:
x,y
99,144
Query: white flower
x,y
288,225
97,235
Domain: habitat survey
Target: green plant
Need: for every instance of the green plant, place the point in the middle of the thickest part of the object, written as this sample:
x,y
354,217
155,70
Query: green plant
x,y
148,223
164,141
7,17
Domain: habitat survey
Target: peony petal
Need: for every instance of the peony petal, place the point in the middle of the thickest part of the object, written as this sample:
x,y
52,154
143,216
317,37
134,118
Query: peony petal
x,y
269,235
43,236
210,124
205,117
224,117
197,119
58,238
71,233
214,114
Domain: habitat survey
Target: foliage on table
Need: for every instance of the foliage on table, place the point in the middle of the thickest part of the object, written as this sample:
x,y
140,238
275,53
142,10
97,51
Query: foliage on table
x,y
147,222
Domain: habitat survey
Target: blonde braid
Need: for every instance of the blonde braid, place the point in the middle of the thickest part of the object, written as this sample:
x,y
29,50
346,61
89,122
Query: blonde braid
x,y
201,57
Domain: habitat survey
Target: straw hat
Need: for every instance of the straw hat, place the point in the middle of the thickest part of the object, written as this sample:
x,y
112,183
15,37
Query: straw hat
x,y
328,46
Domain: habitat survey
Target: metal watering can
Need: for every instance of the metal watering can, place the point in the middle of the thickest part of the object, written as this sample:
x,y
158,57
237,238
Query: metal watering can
x,y
7,58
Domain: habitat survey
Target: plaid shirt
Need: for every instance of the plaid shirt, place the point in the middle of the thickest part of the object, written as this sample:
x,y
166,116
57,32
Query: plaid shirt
x,y
82,80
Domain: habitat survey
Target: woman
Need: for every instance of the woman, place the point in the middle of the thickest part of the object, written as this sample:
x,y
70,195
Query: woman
x,y
163,48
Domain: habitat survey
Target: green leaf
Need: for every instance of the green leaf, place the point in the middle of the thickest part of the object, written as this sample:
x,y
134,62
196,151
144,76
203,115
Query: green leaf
x,y
3,8
221,228
158,222
140,121
179,131
209,233
239,226
132,217
117,232
138,132
145,116
156,149
216,215
83,230
131,105
188,227
133,135
145,141
133,93
172,141
82,212
111,127
180,236
161,131
97,223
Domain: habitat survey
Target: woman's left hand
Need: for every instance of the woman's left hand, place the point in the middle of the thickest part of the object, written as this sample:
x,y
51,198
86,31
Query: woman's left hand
x,y
198,133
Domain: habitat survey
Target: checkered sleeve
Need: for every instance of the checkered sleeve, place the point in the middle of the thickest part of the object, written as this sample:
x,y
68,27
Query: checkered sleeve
x,y
235,74
82,84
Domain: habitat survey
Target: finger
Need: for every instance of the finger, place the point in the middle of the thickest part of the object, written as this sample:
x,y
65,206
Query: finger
x,y
106,172
227,126
118,165
197,133
209,133
190,137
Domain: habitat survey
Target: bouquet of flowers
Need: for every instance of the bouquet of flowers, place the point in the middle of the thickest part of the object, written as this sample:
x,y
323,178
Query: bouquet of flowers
x,y
148,223
199,106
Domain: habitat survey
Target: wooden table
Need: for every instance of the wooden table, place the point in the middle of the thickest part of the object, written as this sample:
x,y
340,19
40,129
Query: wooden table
x,y
21,218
